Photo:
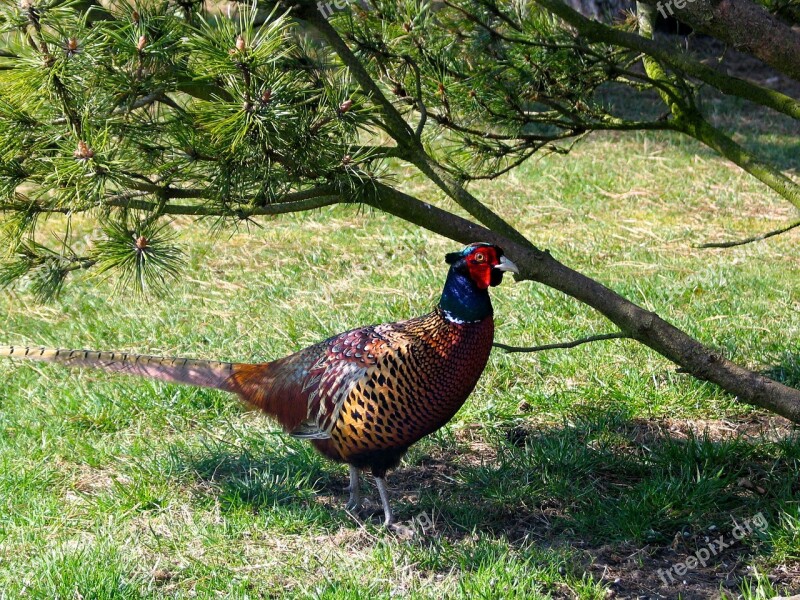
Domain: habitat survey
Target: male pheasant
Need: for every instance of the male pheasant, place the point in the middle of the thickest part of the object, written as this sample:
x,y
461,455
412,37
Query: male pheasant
x,y
364,396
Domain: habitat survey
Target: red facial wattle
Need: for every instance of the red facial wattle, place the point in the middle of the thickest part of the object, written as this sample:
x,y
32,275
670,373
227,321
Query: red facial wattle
x,y
480,263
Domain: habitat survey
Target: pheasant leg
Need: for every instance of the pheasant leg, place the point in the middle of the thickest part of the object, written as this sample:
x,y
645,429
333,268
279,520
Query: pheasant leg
x,y
387,507
354,503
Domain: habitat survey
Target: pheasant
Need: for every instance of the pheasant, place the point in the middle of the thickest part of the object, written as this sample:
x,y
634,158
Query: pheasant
x,y
362,397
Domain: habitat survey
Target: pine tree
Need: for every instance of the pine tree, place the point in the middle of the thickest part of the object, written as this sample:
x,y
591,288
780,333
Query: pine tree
x,y
157,110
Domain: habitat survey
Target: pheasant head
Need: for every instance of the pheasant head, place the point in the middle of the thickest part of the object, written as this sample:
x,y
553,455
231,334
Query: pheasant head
x,y
472,271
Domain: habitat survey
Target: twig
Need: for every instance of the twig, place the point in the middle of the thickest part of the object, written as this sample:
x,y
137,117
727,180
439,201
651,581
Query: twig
x,y
572,344
755,238
423,110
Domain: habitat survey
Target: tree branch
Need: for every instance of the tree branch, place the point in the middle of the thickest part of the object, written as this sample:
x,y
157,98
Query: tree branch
x,y
755,238
409,145
640,324
276,208
598,32
317,197
744,25
572,344
690,121
292,202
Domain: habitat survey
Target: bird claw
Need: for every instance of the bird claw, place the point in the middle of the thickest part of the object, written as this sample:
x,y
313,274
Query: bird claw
x,y
354,506
402,531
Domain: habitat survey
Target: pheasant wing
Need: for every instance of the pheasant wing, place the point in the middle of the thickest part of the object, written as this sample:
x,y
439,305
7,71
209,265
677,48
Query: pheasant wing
x,y
350,359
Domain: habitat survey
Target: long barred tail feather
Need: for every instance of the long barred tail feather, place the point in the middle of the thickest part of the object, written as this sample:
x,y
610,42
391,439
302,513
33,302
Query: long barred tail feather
x,y
202,373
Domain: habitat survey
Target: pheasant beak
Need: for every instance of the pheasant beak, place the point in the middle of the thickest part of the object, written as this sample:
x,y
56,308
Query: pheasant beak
x,y
506,265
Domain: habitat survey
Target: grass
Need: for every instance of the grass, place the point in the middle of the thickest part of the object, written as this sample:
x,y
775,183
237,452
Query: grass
x,y
568,474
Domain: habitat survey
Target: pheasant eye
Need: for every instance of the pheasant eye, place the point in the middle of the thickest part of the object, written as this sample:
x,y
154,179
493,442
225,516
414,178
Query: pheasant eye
x,y
480,257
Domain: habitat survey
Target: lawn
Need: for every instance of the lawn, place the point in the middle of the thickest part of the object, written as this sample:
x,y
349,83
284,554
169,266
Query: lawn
x,y
593,472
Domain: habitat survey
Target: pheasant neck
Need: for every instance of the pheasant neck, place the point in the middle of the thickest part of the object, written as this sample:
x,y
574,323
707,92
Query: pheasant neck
x,y
463,301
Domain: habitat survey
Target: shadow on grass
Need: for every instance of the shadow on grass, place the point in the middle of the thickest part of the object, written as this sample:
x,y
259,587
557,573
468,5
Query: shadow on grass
x,y
602,478
773,139
786,370
634,496
274,476
601,484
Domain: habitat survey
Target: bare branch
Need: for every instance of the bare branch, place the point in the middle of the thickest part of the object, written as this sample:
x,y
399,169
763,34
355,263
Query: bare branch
x,y
292,202
755,238
572,344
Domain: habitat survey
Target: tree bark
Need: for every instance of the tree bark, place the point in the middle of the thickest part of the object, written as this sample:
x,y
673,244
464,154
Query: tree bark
x,y
742,24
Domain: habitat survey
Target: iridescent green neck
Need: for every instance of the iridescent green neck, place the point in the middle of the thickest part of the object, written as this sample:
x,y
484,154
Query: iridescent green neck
x,y
462,300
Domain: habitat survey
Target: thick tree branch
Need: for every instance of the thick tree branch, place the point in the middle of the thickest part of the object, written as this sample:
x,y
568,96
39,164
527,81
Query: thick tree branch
x,y
537,265
572,344
633,320
640,324
742,24
598,32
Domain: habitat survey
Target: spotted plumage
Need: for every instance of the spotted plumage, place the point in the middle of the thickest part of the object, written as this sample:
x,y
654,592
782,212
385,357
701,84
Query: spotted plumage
x,y
361,397
397,384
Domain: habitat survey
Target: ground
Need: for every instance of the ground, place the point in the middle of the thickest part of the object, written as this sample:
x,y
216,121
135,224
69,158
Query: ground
x,y
568,474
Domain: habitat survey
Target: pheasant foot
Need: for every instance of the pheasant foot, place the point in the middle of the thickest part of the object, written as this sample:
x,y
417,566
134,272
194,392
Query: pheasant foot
x,y
354,503
387,507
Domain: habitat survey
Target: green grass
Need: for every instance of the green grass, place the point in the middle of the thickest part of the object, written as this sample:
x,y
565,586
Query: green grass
x,y
559,462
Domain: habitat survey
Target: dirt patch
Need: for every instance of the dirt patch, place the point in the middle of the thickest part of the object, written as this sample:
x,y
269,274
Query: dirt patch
x,y
661,570
757,427
633,572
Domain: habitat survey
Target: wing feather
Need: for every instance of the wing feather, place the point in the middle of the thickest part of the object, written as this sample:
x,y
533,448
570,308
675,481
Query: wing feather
x,y
351,359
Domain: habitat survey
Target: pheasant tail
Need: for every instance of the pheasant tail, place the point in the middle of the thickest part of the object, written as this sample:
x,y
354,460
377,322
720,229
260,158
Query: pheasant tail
x,y
364,396
202,373
269,387
275,388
